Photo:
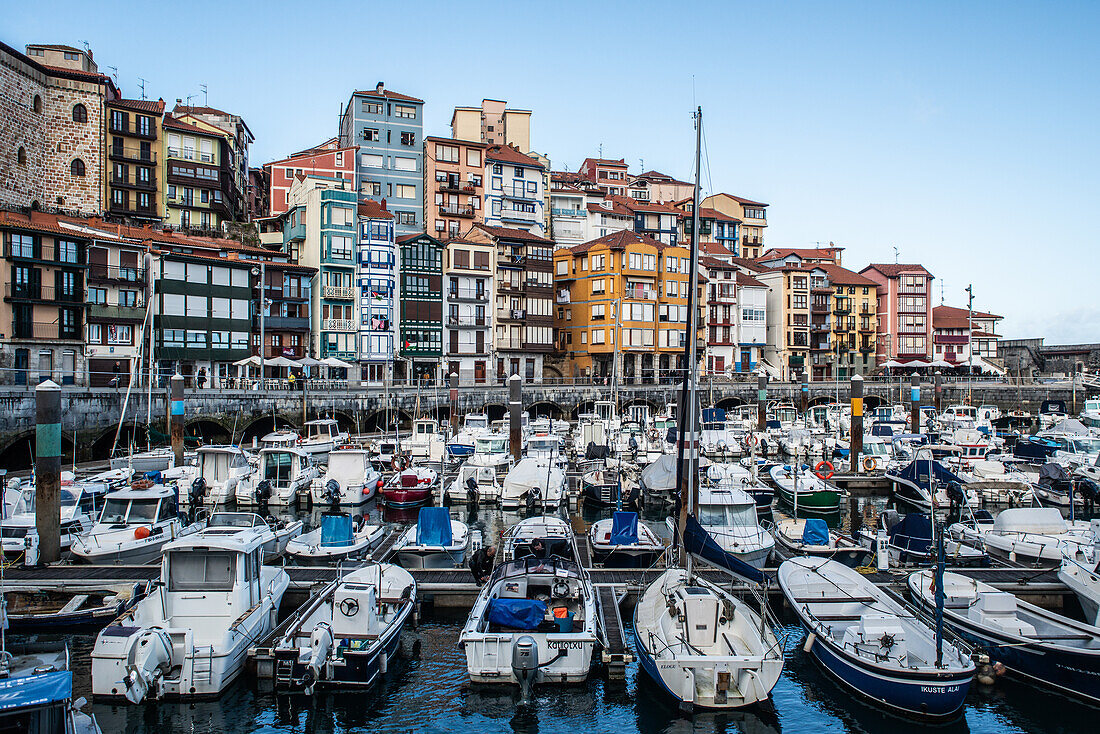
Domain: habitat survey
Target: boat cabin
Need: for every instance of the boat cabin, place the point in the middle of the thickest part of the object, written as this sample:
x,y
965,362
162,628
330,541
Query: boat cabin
x,y
324,429
218,463
493,444
605,410
139,506
212,574
474,422
280,439
557,583
282,466
229,523
555,535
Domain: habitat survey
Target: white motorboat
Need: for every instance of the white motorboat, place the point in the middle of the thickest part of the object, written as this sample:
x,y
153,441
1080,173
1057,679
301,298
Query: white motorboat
x,y
133,527
281,439
472,482
435,541
349,479
553,533
322,436
347,634
547,447
535,480
427,442
1034,536
220,475
491,449
534,621
728,514
80,506
624,541
462,444
1080,571
190,636
703,645
284,475
812,537
339,538
1090,415
157,459
275,533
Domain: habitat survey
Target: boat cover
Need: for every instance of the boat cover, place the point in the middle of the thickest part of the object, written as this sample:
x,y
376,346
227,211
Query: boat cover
x,y
1034,448
1039,520
815,532
1070,426
1052,474
913,533
36,690
624,528
698,542
920,471
520,614
660,475
433,526
336,530
712,416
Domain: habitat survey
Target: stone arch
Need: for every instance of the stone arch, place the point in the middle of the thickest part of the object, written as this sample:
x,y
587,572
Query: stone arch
x,y
550,372
584,406
77,168
264,425
131,433
19,451
730,402
80,113
206,430
380,421
496,411
441,413
870,402
546,408
822,400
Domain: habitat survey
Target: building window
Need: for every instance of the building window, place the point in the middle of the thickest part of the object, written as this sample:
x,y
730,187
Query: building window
x,y
372,108
498,169
370,134
77,167
404,191
80,113
406,217
408,138
404,111
38,104
22,158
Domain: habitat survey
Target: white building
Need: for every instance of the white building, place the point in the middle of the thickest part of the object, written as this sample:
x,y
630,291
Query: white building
x,y
515,190
467,308
376,268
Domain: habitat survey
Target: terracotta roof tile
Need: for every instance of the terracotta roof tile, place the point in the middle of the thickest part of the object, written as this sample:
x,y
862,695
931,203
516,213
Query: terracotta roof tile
x,y
387,94
803,252
510,154
843,276
744,279
374,209
174,124
508,233
950,317
893,270
619,241
706,212
141,105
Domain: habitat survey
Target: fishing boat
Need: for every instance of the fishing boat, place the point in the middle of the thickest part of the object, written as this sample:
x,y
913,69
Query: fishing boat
x,y
535,620
462,444
321,437
813,537
435,541
410,487
873,645
491,449
349,480
1038,645
814,494
426,444
623,541
472,483
189,637
157,459
915,484
36,691
280,439
547,447
81,607
134,526
745,479
284,475
275,533
554,534
339,538
1090,415
535,481
348,634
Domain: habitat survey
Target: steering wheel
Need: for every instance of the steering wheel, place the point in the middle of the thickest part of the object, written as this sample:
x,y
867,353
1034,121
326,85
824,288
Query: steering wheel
x,y
349,607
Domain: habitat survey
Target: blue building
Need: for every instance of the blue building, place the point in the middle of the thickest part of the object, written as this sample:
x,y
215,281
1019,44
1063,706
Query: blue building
x,y
387,127
377,263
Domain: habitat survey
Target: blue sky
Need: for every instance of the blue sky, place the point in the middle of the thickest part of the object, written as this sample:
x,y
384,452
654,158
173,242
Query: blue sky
x,y
964,134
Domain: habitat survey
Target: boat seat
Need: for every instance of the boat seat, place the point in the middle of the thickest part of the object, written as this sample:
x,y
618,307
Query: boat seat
x,y
997,609
836,600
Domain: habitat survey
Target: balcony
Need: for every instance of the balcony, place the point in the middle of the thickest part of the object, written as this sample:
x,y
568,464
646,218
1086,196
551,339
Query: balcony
x,y
284,323
115,273
511,261
865,348
511,314
513,191
557,212
841,311
468,294
457,211
135,184
130,154
513,288
44,330
640,294
509,343
866,310
337,325
562,296
125,210
190,154
867,329
518,216
26,292
466,321
457,187
289,352
105,312
338,292
820,328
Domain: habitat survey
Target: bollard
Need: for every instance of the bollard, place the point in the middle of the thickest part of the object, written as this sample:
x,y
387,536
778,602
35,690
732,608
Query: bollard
x,y
762,401
938,391
47,471
805,393
914,402
453,379
515,407
176,412
856,443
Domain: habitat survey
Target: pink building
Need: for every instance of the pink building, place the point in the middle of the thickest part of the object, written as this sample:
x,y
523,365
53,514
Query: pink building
x,y
904,311
326,159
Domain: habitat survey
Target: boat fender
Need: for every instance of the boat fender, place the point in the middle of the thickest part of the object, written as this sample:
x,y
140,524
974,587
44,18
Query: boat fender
x,y
809,643
142,532
383,663
985,674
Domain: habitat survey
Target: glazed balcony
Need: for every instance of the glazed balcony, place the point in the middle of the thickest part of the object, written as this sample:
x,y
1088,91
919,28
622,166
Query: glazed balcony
x,y
36,292
115,273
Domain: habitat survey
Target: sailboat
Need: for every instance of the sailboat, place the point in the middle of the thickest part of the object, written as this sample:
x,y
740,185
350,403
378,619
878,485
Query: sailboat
x,y
701,644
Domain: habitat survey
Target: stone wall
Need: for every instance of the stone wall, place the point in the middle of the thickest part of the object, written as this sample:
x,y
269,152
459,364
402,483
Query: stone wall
x,y
22,127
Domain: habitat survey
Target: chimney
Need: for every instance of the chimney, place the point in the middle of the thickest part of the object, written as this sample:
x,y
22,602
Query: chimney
x,y
380,87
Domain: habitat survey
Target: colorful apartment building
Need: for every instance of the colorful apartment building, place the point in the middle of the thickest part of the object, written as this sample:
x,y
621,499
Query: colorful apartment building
x,y
376,277
753,218
234,154
134,185
494,123
843,323
327,159
198,179
662,222
659,187
523,294
904,331
736,318
955,331
117,292
514,190
454,185
286,290
52,153
607,173
468,275
787,349
387,127
420,330
622,307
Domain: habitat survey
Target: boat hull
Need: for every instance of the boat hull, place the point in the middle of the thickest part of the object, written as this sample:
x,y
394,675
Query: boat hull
x,y
433,559
406,497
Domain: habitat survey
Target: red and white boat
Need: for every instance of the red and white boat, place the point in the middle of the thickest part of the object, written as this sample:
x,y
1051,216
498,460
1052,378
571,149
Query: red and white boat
x,y
410,487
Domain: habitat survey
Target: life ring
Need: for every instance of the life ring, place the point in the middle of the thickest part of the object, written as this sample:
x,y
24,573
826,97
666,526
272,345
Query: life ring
x,y
827,475
753,440
141,484
966,400
870,463
399,463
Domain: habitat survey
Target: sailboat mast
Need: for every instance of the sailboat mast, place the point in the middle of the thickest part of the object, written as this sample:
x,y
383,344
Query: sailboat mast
x,y
689,434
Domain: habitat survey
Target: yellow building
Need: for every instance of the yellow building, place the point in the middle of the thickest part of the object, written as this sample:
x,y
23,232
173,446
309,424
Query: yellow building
x,y
753,218
134,177
621,307
844,309
198,179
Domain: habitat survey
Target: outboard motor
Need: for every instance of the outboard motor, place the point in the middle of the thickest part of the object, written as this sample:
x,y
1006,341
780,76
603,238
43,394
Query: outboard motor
x,y
534,497
763,446
196,495
957,498
525,665
471,492
332,493
263,494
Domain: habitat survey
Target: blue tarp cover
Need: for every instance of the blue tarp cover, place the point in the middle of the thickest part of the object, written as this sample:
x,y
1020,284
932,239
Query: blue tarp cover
x,y
35,690
520,614
713,415
433,526
919,470
624,528
815,532
913,533
698,542
336,530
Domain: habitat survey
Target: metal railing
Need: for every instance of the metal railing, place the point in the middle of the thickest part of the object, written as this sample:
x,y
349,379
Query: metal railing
x,y
338,325
342,292
130,153
190,154
43,293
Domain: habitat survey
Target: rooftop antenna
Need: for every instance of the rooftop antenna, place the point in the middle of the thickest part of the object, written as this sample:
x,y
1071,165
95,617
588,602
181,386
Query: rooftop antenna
x,y
601,150
142,87
114,70
191,96
205,100
895,254
941,291
87,46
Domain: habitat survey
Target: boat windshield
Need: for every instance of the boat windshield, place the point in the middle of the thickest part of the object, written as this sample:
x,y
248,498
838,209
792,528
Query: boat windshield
x,y
232,520
726,515
875,448
1085,445
278,467
67,498
201,571
475,422
491,446
321,430
543,444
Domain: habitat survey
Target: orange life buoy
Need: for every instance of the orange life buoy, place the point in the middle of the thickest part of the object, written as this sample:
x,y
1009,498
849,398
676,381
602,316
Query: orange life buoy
x,y
870,463
754,440
826,475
